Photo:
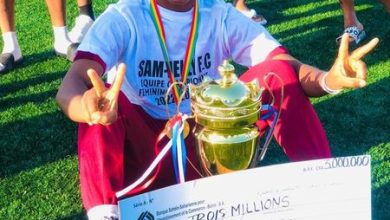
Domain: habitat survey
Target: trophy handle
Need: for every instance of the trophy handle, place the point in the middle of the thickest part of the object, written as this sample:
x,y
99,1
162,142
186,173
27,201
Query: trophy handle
x,y
260,152
270,131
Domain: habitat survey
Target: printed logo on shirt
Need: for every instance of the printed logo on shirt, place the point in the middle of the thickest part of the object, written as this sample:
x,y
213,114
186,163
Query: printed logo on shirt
x,y
154,81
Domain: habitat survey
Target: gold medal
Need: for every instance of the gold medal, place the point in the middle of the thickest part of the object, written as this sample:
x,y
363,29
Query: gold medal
x,y
168,130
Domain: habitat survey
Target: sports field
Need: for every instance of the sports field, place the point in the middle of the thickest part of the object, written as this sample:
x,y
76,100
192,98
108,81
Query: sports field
x,y
38,162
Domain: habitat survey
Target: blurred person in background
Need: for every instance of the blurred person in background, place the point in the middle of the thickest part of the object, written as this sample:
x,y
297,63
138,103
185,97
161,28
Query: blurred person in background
x,y
352,26
250,13
64,44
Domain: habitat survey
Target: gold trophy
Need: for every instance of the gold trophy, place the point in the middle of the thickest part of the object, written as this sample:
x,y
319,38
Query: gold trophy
x,y
226,111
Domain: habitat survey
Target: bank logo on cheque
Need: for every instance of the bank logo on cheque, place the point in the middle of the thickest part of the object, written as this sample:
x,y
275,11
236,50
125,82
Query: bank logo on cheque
x,y
146,216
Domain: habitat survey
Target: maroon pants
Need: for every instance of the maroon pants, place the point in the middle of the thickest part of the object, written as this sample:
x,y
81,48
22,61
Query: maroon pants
x,y
112,157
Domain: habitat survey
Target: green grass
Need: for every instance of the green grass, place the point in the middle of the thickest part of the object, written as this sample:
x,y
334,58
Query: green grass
x,y
39,176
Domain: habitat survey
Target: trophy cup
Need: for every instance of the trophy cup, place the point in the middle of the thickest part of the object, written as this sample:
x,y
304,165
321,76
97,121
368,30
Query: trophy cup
x,y
226,111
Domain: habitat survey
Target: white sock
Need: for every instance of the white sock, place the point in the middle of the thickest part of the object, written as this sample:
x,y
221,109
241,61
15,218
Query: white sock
x,y
11,45
101,212
61,39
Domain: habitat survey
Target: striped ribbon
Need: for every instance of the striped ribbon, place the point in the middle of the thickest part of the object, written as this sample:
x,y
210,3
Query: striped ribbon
x,y
178,153
176,143
190,50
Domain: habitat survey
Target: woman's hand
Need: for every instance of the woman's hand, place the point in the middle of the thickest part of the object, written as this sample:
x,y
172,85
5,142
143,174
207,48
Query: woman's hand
x,y
100,104
349,71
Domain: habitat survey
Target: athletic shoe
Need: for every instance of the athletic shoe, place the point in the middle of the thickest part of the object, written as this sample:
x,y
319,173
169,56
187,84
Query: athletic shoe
x,y
252,14
70,53
8,62
81,27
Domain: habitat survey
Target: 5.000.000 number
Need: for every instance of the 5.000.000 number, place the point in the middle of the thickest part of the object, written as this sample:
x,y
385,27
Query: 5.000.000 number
x,y
347,162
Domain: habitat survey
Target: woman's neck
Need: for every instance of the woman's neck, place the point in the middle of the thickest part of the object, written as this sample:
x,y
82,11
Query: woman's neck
x,y
176,5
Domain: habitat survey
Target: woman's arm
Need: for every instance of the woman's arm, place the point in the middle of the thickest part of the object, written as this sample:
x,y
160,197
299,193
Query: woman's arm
x,y
74,86
348,71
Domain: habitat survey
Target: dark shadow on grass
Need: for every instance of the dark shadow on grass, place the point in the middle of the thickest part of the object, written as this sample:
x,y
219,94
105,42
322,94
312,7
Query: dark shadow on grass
x,y
75,216
35,58
21,100
42,78
30,143
358,119
273,10
380,202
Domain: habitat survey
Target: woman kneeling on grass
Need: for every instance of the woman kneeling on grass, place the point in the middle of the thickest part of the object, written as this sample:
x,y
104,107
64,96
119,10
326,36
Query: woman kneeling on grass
x,y
119,124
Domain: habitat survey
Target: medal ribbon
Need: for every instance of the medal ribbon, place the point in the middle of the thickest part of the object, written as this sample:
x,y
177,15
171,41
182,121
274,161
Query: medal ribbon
x,y
179,153
190,50
176,143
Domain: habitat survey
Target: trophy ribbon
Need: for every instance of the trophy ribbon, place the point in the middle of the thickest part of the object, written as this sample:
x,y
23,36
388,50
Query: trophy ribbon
x,y
178,152
176,143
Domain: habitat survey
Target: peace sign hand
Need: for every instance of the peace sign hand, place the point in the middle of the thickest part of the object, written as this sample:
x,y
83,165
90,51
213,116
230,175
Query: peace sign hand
x,y
100,104
349,71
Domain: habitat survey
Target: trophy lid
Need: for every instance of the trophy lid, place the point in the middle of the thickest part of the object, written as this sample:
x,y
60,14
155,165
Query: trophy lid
x,y
226,102
228,91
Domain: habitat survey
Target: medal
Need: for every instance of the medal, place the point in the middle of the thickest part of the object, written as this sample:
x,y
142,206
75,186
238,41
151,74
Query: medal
x,y
171,123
